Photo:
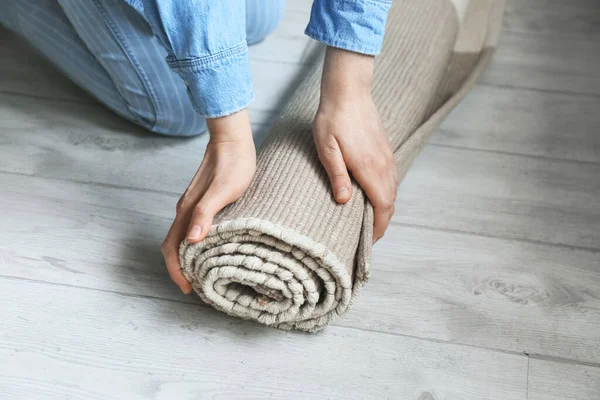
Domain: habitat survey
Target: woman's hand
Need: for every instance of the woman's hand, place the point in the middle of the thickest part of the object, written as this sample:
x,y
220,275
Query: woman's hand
x,y
224,175
349,135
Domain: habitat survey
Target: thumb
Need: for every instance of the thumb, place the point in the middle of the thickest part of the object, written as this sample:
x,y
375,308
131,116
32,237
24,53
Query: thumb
x,y
214,200
333,161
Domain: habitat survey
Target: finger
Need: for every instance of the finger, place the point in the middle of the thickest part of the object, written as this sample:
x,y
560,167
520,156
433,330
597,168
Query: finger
x,y
333,161
386,206
170,251
381,193
382,218
214,200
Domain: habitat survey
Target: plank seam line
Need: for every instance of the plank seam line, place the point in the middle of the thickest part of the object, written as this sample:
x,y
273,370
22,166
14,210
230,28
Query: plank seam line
x,y
509,153
527,384
91,102
392,222
86,101
505,238
562,360
482,82
426,339
547,34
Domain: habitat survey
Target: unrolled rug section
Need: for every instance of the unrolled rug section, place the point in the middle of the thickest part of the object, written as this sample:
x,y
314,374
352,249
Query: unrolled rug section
x,y
286,254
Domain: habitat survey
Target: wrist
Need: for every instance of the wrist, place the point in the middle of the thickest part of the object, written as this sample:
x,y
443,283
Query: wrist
x,y
346,76
230,128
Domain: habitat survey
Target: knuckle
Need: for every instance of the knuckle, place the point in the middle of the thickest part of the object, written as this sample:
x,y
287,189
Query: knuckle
x,y
329,149
179,206
367,161
200,209
338,173
386,204
165,248
390,163
182,203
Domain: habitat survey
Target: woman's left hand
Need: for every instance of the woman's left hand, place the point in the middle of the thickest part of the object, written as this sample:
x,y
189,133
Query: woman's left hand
x,y
349,135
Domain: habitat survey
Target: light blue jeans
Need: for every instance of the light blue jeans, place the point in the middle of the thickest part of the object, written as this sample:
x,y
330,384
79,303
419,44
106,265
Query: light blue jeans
x,y
107,48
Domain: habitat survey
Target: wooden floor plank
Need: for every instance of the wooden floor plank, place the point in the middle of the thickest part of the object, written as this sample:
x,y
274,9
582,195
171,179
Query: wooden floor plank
x,y
513,296
525,122
549,380
92,236
508,295
546,62
109,346
23,70
503,195
573,17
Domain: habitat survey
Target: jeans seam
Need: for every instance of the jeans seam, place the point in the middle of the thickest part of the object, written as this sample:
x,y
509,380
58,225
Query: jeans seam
x,y
210,60
137,66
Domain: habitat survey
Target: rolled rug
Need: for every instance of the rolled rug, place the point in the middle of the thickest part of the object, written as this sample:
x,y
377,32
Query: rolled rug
x,y
286,254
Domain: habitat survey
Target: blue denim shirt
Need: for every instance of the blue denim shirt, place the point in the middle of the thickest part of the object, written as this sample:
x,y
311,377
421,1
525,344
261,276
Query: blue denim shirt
x,y
206,43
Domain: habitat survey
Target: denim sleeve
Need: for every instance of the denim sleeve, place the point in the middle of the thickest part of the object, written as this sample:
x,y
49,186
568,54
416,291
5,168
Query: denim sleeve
x,y
354,25
206,45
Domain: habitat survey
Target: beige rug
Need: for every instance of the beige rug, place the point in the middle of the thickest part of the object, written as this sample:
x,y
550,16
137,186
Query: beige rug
x,y
285,254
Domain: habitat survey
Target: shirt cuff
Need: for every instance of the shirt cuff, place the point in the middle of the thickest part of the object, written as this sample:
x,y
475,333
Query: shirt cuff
x,y
354,25
218,84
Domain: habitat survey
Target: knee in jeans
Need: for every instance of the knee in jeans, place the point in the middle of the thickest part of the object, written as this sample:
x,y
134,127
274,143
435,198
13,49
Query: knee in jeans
x,y
184,122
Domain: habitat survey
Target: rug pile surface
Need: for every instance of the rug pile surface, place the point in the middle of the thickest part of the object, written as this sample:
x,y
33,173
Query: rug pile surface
x,y
286,254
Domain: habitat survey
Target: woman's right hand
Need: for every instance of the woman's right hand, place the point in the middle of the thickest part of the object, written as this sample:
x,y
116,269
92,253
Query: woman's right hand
x,y
225,173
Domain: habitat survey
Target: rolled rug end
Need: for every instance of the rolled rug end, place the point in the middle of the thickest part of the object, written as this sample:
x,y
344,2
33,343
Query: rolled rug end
x,y
257,270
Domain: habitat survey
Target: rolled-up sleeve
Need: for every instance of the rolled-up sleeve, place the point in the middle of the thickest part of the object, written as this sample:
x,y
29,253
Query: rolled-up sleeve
x,y
206,46
354,25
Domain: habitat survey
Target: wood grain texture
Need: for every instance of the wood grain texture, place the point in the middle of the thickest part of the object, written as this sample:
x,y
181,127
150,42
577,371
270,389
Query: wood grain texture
x,y
549,380
573,17
23,70
513,296
111,346
525,122
113,236
546,62
503,195
501,294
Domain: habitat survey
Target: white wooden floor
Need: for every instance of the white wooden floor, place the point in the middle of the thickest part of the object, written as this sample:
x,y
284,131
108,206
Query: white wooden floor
x,y
487,285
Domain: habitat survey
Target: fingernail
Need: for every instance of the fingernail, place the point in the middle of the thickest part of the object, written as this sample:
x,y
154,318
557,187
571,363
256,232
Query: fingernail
x,y
186,291
342,193
194,232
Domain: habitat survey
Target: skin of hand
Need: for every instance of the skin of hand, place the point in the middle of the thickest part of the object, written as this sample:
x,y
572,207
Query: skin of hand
x,y
225,173
350,137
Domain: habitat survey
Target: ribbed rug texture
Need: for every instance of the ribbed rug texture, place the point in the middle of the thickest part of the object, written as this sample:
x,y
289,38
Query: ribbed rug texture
x,y
286,254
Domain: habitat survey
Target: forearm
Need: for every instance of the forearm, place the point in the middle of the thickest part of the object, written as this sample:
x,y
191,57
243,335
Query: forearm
x,y
231,128
354,25
206,45
347,76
